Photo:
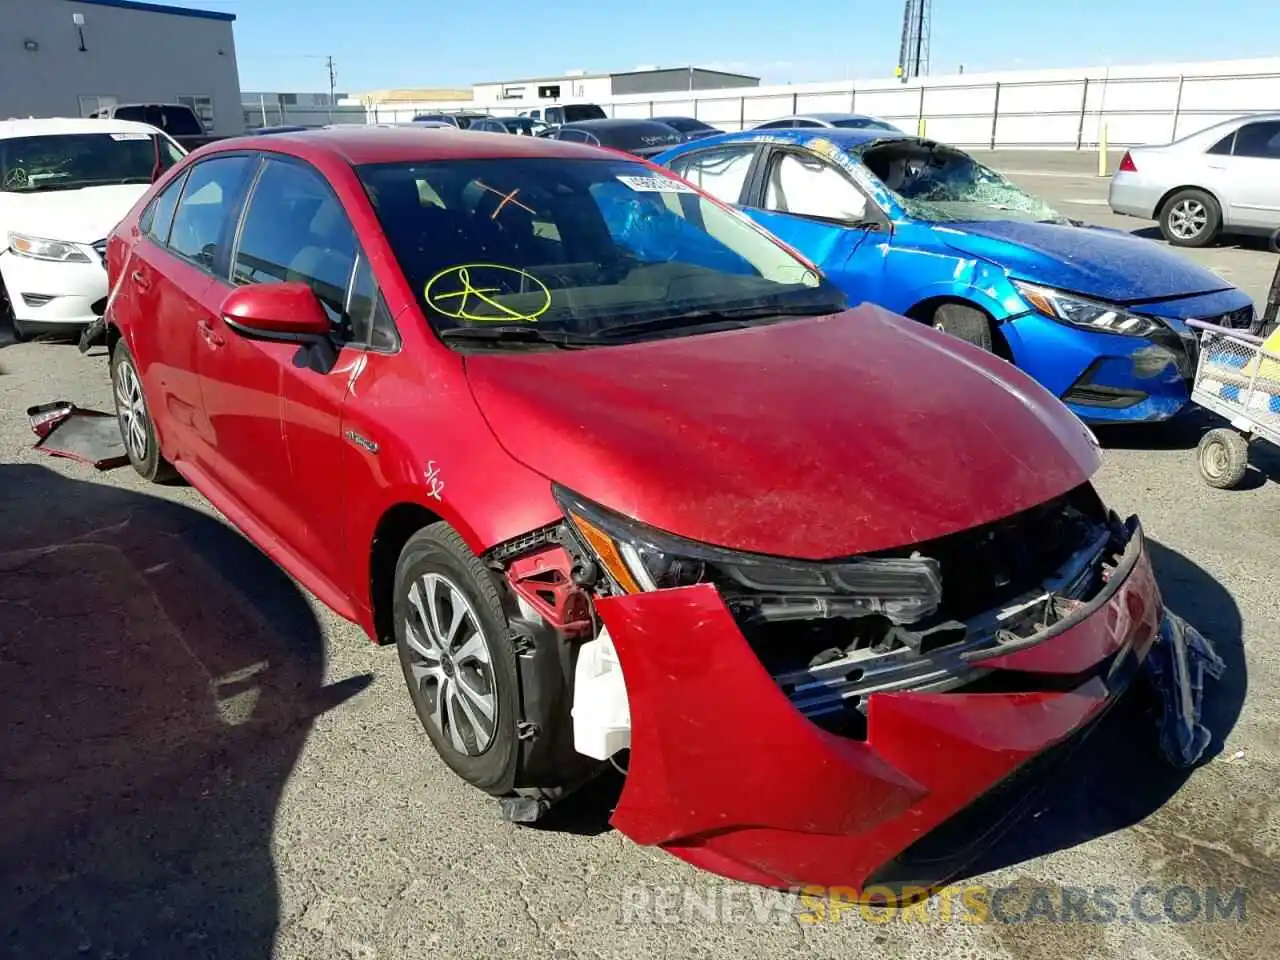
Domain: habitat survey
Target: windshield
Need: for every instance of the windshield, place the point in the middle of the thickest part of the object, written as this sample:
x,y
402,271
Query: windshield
x,y
70,161
521,126
580,248
941,184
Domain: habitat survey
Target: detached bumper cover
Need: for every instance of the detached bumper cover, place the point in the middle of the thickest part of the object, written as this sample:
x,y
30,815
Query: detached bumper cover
x,y
727,774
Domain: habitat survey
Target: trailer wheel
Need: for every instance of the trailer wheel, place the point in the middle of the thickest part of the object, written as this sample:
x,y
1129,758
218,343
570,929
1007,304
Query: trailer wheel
x,y
1224,458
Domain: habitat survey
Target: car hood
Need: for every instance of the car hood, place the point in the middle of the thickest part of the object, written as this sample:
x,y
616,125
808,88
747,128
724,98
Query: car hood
x,y
814,438
80,216
1095,261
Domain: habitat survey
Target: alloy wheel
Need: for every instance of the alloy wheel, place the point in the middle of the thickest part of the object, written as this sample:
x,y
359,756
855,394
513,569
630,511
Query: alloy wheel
x,y
1188,219
131,408
451,664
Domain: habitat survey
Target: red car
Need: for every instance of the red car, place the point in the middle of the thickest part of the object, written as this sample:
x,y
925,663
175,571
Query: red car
x,y
625,479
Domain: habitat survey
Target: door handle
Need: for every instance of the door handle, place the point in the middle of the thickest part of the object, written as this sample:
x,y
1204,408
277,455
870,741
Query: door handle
x,y
211,337
139,280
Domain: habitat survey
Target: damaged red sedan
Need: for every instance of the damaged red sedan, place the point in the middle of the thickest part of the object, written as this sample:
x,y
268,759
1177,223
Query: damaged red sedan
x,y
625,479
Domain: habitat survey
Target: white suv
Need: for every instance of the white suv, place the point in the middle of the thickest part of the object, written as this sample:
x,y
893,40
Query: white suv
x,y
64,183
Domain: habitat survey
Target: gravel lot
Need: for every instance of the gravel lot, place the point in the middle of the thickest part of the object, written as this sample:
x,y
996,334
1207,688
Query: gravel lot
x,y
200,761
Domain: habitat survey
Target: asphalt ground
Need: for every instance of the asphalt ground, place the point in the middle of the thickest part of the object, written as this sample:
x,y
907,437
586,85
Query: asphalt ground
x,y
198,760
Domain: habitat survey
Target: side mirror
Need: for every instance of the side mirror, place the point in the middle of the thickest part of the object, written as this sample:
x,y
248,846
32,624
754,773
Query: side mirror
x,y
286,312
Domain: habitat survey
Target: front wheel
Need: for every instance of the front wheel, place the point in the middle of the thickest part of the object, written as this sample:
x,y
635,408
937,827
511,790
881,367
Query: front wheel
x,y
964,323
452,637
1224,458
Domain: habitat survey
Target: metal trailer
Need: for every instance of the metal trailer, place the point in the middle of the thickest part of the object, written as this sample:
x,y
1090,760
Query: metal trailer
x,y
1238,378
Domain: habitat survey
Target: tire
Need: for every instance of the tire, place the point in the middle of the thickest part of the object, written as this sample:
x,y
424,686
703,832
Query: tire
x,y
1190,218
131,408
450,691
964,323
1224,458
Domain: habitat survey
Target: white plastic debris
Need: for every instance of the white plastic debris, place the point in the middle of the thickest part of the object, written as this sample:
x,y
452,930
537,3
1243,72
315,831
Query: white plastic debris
x,y
1177,664
601,712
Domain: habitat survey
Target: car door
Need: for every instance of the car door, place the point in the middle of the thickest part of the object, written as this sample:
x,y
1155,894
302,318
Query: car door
x,y
722,171
1253,175
171,273
276,408
816,207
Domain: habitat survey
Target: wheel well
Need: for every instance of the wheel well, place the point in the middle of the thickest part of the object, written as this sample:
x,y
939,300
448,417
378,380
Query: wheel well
x,y
394,530
113,336
1186,186
924,310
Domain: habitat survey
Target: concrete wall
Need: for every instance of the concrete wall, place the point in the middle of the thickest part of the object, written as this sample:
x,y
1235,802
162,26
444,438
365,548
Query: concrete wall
x,y
131,54
1054,109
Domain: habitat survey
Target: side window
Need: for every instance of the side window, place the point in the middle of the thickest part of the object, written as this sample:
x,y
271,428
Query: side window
x,y
810,187
775,125
535,114
576,136
157,219
370,320
1259,140
555,114
296,230
205,205
806,123
1223,146
721,172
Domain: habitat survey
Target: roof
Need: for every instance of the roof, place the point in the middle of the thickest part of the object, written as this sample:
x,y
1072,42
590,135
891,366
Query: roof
x,y
159,8
361,145
46,126
848,138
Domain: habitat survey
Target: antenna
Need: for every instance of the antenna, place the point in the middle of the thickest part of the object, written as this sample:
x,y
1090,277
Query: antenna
x,y
913,52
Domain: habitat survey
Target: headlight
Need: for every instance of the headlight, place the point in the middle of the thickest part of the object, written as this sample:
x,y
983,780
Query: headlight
x,y
638,559
40,249
1089,314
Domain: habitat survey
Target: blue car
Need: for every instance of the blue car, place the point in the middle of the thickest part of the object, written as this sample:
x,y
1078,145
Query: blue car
x,y
922,229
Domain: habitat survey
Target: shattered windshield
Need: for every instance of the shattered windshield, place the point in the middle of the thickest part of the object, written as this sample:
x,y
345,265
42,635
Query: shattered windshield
x,y
940,184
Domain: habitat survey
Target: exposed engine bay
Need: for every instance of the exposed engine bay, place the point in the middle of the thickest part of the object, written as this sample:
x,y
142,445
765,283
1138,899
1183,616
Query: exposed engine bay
x,y
829,633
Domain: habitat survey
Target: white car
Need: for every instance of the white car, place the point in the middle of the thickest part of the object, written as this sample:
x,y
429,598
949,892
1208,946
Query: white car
x,y
64,183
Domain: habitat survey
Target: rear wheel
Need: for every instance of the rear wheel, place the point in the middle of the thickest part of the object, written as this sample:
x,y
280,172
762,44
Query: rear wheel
x,y
1224,458
1190,218
964,323
452,637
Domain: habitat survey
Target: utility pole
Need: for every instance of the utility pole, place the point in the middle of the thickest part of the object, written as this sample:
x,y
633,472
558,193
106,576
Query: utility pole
x,y
328,62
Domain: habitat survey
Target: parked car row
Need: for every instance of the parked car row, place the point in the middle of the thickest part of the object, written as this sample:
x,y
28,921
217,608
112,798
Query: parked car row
x,y
627,479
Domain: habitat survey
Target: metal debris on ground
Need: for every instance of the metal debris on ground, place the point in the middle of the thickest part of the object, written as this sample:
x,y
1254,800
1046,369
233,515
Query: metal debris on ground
x,y
88,436
1177,665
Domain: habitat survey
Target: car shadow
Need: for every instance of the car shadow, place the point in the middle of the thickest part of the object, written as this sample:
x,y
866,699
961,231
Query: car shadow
x,y
1236,241
160,676
1117,777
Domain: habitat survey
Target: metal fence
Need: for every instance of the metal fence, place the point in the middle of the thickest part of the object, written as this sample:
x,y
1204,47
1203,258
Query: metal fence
x,y
1056,112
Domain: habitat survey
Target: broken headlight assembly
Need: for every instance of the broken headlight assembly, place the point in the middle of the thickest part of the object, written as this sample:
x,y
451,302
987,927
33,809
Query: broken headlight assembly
x,y
635,559
1095,315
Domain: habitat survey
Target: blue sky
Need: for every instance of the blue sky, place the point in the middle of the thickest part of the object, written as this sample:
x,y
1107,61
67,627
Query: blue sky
x,y
411,43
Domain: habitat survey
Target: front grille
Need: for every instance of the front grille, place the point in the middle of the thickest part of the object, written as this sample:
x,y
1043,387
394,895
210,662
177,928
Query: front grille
x,y
100,248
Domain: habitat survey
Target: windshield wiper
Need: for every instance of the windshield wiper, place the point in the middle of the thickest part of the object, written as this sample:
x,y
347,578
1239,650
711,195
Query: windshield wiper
x,y
514,333
710,321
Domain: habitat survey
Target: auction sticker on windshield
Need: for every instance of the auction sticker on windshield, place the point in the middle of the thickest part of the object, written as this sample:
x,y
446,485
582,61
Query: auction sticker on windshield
x,y
130,136
656,184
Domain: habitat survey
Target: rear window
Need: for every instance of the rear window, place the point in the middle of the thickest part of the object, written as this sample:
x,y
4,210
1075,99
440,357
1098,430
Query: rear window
x,y
583,111
71,161
578,246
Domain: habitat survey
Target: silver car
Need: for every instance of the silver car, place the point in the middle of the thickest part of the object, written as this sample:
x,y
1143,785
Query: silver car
x,y
856,121
1225,179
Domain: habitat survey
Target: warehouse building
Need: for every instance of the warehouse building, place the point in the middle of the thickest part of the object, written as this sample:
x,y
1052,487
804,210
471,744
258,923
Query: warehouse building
x,y
594,87
61,58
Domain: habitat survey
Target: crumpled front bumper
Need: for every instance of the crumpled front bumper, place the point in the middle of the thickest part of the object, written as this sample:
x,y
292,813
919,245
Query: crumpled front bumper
x,y
727,774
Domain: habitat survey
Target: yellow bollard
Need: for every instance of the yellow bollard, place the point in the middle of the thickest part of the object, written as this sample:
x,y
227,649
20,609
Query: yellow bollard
x,y
920,128
1102,151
